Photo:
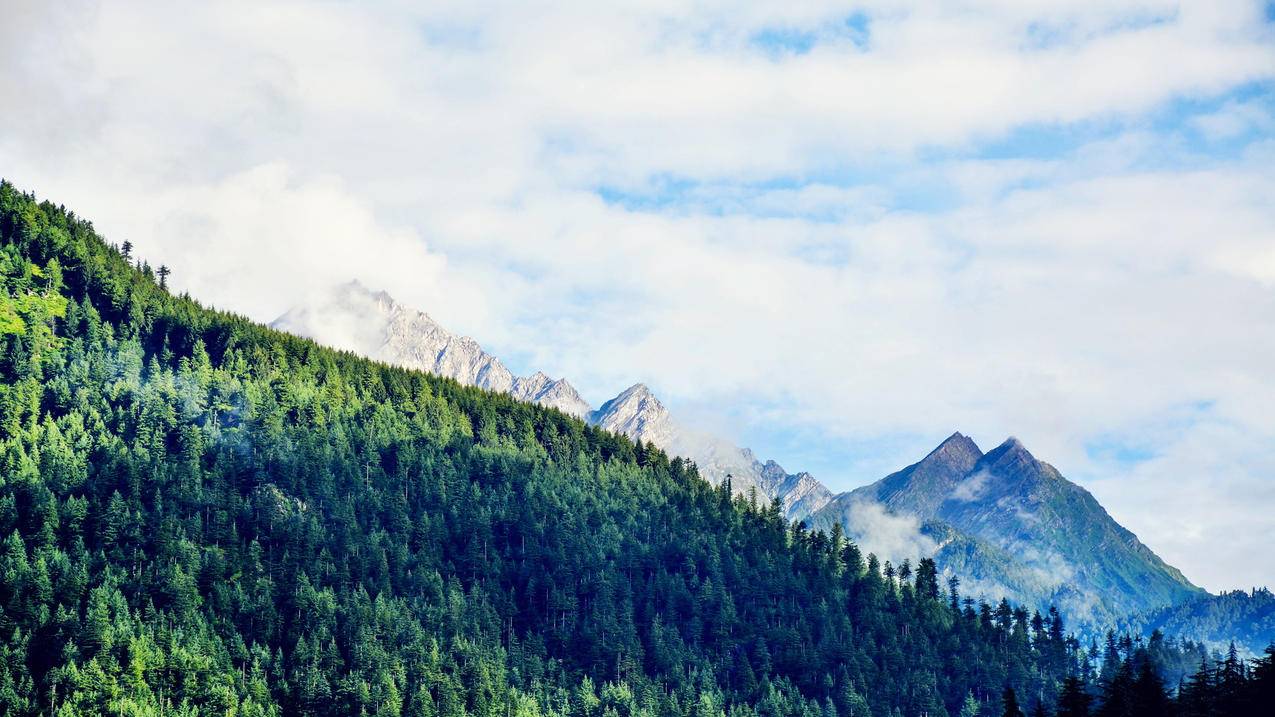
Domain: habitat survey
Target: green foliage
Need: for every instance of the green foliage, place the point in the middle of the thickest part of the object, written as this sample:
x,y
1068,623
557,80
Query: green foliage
x,y
204,516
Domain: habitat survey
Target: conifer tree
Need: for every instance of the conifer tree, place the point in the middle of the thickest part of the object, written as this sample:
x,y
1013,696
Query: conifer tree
x,y
1074,699
1009,704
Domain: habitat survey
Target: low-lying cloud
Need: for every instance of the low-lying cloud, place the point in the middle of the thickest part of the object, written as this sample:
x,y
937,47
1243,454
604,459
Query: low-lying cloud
x,y
889,536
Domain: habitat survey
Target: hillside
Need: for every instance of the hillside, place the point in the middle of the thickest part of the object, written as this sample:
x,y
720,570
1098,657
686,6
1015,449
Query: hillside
x,y
205,516
1246,619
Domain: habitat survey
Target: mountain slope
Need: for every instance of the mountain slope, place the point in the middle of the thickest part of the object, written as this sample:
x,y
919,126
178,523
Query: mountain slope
x,y
203,516
1026,507
1011,524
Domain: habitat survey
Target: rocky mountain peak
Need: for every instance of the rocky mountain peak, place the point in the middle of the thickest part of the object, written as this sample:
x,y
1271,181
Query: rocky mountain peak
x,y
1011,458
555,393
955,449
637,413
638,391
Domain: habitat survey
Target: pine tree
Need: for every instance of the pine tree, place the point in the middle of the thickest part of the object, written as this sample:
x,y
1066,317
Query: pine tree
x,y
1198,694
970,707
1009,704
1261,687
1117,691
1149,698
1074,699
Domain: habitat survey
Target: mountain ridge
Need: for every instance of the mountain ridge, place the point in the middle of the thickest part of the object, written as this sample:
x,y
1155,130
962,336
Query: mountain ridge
x,y
354,317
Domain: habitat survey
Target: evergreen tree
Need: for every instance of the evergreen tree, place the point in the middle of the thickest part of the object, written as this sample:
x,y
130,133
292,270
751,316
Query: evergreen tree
x,y
970,707
1074,700
1009,704
1148,697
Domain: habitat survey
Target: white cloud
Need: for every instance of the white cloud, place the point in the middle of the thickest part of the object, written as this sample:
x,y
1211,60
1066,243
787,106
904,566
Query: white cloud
x,y
1234,119
971,488
890,537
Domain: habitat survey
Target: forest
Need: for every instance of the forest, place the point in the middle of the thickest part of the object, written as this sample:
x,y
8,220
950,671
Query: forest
x,y
203,516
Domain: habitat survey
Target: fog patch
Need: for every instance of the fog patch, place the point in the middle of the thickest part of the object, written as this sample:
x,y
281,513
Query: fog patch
x,y
348,318
889,536
971,488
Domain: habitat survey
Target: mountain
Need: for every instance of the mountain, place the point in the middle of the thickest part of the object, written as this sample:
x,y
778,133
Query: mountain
x,y
922,487
200,515
1008,523
355,318
638,414
551,392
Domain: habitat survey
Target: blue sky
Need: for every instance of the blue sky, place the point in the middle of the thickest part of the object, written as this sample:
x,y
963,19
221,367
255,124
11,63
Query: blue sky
x,y
834,232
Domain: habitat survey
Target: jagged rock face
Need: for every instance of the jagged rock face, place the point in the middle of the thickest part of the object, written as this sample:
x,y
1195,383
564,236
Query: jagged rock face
x,y
355,318
802,495
638,414
555,393
718,459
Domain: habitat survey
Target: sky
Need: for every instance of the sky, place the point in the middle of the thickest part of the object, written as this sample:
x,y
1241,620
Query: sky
x,y
833,232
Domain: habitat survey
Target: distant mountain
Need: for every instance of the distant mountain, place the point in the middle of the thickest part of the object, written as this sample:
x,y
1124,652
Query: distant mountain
x,y
638,414
371,323
355,318
1011,524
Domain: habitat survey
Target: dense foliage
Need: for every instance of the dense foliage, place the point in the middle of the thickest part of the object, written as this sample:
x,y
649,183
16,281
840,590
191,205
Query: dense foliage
x,y
199,515
1247,618
1131,685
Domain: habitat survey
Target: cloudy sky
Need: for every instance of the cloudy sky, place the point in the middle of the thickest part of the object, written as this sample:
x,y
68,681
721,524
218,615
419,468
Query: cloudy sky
x,y
835,232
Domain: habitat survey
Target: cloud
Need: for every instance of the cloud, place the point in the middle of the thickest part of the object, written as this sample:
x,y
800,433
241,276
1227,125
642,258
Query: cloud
x,y
889,536
1233,119
1045,219
969,489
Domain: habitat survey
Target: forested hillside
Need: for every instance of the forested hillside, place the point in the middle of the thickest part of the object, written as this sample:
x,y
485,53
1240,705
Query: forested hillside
x,y
200,515
1246,618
